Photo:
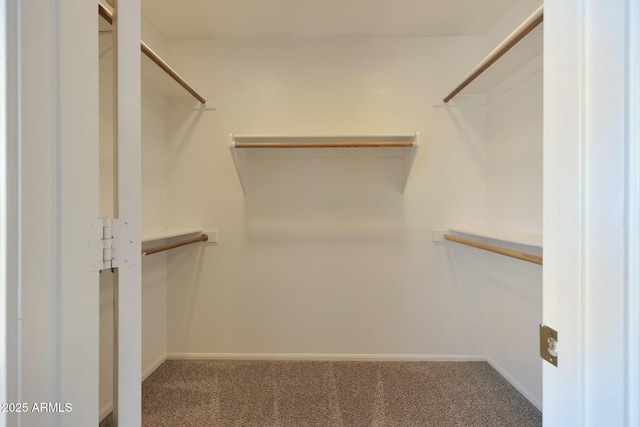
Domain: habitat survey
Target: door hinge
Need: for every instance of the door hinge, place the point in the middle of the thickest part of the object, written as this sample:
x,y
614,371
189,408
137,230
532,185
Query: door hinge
x,y
118,248
107,243
549,344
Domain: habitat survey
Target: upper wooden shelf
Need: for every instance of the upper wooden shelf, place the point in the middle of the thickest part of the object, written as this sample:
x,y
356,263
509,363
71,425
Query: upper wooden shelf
x,y
517,57
158,74
403,147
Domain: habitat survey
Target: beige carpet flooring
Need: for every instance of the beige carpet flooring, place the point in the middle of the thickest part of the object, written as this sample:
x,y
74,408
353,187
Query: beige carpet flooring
x,y
338,394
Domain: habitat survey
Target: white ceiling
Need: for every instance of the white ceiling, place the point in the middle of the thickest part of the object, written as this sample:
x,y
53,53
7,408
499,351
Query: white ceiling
x,y
198,19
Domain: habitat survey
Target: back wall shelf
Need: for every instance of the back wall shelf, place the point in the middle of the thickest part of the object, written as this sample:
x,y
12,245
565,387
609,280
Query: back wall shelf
x,y
398,147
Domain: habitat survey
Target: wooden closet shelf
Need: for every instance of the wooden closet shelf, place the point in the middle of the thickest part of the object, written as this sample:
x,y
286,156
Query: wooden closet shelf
x,y
524,256
325,144
247,148
535,19
168,246
502,235
533,240
108,16
168,233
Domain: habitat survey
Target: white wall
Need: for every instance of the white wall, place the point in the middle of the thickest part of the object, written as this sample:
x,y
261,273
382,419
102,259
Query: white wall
x,y
514,186
154,216
514,159
511,19
513,299
325,256
514,202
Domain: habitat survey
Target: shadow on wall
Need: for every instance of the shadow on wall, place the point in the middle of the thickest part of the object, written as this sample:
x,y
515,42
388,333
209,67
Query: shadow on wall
x,y
324,200
184,289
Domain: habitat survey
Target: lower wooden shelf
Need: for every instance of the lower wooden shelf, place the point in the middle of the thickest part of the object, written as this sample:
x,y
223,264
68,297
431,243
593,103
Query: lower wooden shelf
x,y
509,236
533,240
168,233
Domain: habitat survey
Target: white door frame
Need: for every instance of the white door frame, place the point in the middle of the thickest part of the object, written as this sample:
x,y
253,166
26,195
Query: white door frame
x,y
52,248
128,315
591,159
68,111
591,213
8,206
54,208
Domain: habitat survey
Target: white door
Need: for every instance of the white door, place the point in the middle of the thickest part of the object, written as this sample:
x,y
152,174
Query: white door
x,y
591,213
51,238
56,278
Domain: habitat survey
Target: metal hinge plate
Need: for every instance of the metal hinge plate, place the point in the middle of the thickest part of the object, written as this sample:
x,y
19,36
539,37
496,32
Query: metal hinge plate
x,y
117,248
549,344
107,243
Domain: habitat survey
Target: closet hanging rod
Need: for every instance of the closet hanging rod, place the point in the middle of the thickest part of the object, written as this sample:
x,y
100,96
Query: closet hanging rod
x,y
108,16
324,144
161,248
496,249
170,71
512,39
105,14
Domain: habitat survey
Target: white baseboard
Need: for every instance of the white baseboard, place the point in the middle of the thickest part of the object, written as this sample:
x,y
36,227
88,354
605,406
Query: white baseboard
x,y
536,401
328,357
155,365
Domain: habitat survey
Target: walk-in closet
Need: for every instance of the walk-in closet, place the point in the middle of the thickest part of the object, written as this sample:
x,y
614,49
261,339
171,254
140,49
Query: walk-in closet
x,y
334,178
345,213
